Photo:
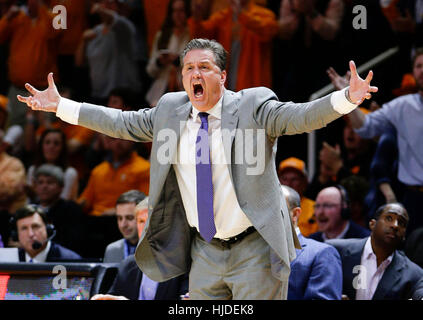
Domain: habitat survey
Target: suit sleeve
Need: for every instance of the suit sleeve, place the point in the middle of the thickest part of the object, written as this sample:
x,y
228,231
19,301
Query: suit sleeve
x,y
288,118
128,125
325,282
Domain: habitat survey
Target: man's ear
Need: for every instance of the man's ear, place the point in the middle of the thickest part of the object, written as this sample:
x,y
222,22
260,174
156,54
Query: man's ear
x,y
372,224
223,77
296,215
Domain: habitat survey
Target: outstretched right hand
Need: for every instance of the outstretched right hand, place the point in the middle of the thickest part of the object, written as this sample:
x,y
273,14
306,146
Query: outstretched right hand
x,y
47,100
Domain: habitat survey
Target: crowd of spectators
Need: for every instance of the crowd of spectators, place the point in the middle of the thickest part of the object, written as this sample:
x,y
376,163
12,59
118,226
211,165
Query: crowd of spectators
x,y
125,54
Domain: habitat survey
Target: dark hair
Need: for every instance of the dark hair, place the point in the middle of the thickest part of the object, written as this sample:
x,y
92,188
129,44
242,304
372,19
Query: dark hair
x,y
28,211
382,209
167,26
220,54
417,53
62,160
131,196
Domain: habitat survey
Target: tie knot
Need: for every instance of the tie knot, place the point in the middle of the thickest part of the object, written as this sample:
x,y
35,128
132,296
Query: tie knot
x,y
203,116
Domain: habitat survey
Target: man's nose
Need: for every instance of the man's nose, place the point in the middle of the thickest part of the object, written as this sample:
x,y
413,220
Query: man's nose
x,y
395,223
31,232
196,73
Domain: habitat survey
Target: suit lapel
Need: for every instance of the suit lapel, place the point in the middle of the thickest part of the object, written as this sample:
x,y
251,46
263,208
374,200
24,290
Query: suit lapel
x,y
390,277
351,259
175,123
53,253
228,125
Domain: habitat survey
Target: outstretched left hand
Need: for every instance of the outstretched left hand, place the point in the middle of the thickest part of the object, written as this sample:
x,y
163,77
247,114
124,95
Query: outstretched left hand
x,y
360,89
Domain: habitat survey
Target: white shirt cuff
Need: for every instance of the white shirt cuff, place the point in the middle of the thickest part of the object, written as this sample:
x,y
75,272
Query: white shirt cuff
x,y
68,110
340,102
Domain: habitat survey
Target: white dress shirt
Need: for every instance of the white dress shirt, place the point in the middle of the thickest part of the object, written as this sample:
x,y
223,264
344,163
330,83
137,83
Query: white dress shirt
x,y
41,257
230,220
372,271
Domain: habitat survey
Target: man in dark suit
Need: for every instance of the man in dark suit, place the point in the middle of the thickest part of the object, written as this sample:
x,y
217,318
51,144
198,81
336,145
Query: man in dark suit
x,y
316,272
130,283
34,236
373,268
198,216
333,218
127,224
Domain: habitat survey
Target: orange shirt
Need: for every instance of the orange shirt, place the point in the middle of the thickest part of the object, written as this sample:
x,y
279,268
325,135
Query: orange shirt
x,y
154,14
307,213
33,47
106,183
258,26
12,182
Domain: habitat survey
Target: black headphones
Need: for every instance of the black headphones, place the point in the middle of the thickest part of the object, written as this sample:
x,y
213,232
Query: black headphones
x,y
345,202
33,208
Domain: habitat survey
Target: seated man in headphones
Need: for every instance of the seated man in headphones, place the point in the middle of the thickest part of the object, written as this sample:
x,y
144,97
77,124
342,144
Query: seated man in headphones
x,y
30,228
332,215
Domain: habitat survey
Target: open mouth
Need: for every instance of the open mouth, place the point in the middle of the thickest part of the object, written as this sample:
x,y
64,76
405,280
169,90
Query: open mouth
x,y
198,90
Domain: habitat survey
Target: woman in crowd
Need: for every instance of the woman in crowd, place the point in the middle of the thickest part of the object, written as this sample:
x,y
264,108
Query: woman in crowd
x,y
168,43
52,149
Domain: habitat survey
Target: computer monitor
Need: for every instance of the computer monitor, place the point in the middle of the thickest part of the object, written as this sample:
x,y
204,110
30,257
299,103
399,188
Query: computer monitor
x,y
54,281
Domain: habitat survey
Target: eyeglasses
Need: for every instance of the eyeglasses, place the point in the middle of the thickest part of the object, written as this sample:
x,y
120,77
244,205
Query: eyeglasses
x,y
325,206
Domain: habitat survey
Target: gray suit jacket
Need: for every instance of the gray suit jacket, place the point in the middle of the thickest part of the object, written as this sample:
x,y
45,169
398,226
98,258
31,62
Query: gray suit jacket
x,y
115,251
164,248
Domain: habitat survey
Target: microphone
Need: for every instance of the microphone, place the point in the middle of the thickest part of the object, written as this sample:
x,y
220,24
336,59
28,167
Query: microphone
x,y
38,244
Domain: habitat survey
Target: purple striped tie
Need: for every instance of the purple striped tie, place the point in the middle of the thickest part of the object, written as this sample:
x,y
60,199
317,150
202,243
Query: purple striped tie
x,y
204,181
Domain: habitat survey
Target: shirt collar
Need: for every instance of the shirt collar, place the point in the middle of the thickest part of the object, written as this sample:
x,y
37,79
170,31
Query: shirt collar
x,y
41,257
368,253
216,111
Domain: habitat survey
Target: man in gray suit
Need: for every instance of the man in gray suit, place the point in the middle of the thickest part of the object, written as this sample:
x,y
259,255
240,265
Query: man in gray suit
x,y
127,224
223,226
